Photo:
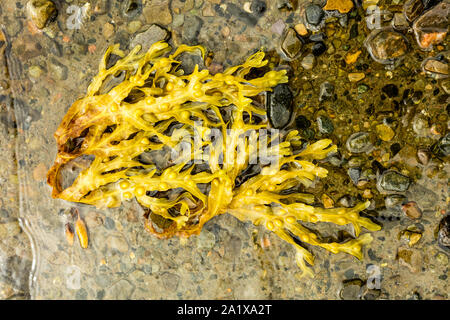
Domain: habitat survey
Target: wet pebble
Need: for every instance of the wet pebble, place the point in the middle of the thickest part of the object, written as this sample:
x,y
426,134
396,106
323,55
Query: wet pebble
x,y
258,7
392,181
399,22
356,76
394,201
391,90
153,34
354,174
191,29
308,61
436,68
158,12
326,91
318,48
302,122
280,105
444,232
291,45
351,290
170,281
57,69
131,8
384,132
325,125
412,210
442,147
346,201
314,14
359,142
424,156
386,46
41,12
412,9
432,27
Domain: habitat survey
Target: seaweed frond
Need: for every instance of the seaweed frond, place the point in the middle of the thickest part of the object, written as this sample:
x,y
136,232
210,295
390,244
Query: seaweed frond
x,y
151,111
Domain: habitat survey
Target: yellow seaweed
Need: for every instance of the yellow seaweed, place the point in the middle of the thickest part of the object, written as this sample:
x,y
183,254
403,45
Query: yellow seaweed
x,y
116,130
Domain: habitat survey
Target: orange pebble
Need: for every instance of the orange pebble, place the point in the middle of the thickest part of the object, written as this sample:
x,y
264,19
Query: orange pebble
x,y
81,230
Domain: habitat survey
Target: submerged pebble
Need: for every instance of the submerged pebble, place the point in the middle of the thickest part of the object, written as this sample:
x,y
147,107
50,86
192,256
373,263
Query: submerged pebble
x,y
280,105
392,181
359,142
41,12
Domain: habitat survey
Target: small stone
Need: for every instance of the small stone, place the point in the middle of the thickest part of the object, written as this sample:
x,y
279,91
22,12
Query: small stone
x,y
148,37
391,90
399,22
178,20
134,26
302,122
57,69
308,61
131,8
346,201
291,44
325,125
41,12
301,29
442,147
278,27
314,14
191,29
351,290
326,91
356,76
158,12
410,258
118,243
343,6
351,58
412,9
327,201
412,210
385,132
432,27
170,281
424,156
359,142
444,232
35,71
362,88
280,105
258,7
318,48
108,30
386,46
394,201
354,174
391,180
435,68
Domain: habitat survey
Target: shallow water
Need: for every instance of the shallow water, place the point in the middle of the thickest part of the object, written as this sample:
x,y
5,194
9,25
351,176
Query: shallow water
x,y
44,71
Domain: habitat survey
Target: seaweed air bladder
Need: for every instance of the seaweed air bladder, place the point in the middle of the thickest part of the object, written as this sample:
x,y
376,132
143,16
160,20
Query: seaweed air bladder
x,y
120,127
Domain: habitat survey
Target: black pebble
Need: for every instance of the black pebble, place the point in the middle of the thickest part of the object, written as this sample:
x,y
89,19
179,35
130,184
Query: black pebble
x,y
258,7
319,48
391,90
302,122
